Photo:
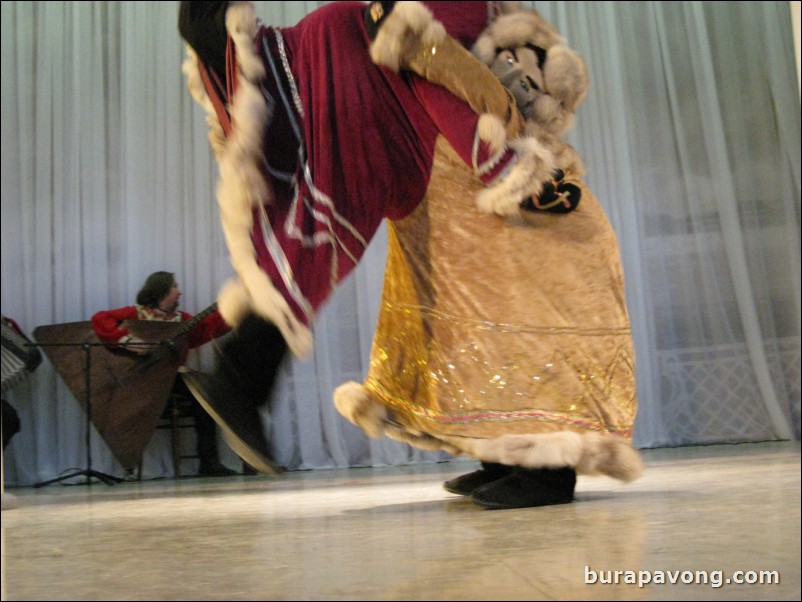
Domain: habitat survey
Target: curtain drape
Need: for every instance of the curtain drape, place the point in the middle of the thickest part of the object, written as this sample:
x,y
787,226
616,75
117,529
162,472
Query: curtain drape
x,y
690,134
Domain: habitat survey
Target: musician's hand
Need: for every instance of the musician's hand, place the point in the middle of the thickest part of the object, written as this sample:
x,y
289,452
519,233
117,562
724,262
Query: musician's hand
x,y
135,345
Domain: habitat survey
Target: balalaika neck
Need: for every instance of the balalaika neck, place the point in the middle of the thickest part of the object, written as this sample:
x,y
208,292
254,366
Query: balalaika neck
x,y
187,326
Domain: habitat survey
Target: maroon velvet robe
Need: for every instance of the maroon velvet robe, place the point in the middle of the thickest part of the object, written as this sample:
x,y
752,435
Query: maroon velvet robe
x,y
347,144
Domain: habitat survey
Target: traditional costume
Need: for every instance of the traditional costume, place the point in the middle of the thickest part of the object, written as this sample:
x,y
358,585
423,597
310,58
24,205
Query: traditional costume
x,y
316,146
505,340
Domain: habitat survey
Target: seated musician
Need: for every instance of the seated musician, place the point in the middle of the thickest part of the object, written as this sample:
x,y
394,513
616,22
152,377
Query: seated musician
x,y
18,360
158,300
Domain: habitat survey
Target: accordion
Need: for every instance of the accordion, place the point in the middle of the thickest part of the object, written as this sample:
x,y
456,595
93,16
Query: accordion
x,y
19,355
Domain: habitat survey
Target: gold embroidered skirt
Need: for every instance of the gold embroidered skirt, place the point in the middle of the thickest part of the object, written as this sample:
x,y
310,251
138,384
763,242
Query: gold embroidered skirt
x,y
494,330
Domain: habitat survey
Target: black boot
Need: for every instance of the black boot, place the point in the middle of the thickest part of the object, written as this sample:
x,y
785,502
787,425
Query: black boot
x,y
467,483
251,358
528,488
242,382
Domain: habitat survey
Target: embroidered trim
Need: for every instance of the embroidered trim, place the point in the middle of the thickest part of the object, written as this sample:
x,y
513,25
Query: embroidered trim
x,y
377,389
156,315
329,236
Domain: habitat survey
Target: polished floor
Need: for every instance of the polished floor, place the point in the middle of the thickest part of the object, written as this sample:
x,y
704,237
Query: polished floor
x,y
704,517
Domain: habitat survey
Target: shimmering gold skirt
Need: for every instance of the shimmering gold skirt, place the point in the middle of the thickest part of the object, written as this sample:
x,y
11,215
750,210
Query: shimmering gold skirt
x,y
495,327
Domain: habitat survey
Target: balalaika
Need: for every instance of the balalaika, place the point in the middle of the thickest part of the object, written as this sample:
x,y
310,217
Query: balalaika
x,y
128,392
19,355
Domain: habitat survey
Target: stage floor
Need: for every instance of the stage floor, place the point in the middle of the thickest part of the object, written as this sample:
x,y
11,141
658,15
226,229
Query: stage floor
x,y
718,514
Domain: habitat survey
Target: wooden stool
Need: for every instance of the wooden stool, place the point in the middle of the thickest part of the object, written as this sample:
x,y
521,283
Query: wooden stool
x,y
178,414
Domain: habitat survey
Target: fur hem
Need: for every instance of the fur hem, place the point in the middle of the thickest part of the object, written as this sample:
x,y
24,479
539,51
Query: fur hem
x,y
242,187
409,28
588,453
535,165
352,401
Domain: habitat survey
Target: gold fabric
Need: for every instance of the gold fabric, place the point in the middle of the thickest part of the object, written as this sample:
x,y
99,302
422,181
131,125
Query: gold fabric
x,y
492,326
452,66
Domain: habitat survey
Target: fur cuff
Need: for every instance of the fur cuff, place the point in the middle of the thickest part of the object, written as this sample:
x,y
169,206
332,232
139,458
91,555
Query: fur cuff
x,y
534,166
491,131
408,30
235,303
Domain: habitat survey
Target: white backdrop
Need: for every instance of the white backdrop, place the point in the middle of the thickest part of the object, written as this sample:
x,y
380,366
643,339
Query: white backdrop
x,y
691,136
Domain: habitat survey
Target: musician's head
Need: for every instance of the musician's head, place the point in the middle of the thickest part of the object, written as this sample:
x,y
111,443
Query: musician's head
x,y
160,291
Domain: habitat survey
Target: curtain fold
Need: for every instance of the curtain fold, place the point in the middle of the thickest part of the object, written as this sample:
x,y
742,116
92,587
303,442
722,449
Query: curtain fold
x,y
690,135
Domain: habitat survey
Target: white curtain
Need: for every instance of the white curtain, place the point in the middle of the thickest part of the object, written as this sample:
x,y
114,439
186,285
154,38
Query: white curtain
x,y
691,136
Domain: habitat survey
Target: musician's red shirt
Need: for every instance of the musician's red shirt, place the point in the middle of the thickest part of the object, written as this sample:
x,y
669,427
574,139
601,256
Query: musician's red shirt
x,y
108,323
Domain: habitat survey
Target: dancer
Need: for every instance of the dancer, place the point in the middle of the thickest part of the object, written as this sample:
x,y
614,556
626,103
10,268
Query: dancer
x,y
317,145
506,341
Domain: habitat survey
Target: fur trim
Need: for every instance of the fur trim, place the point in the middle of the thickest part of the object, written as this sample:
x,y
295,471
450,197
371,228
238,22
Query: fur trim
x,y
535,164
565,77
352,401
589,453
233,302
217,137
242,186
492,131
408,28
518,28
243,25
565,80
569,161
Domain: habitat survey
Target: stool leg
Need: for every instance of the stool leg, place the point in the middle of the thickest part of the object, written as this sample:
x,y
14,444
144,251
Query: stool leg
x,y
175,433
